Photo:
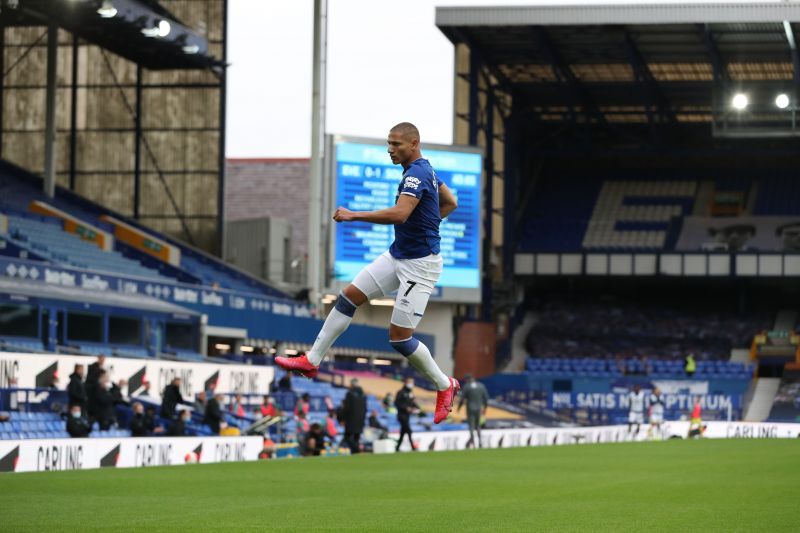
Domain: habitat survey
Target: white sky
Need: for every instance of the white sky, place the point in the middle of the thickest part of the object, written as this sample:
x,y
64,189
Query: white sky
x,y
387,63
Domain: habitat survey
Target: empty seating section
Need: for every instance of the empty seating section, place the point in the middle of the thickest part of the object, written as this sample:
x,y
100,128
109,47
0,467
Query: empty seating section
x,y
778,196
579,328
559,213
637,214
654,369
48,239
18,189
46,426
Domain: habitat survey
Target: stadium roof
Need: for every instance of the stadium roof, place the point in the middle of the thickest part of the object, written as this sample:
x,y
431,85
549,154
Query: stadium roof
x,y
32,289
120,26
629,63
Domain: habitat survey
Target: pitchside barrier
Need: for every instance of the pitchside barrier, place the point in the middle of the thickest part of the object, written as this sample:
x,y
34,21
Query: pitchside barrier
x,y
513,438
79,454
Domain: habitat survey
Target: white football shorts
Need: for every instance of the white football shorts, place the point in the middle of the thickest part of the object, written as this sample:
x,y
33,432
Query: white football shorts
x,y
413,279
656,418
635,417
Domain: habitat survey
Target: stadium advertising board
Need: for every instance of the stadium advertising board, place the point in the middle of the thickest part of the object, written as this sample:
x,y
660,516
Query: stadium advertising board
x,y
513,438
38,370
615,401
47,455
364,179
741,234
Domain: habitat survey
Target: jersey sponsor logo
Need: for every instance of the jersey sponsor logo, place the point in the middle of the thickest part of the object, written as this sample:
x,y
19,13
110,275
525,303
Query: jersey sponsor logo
x,y
411,183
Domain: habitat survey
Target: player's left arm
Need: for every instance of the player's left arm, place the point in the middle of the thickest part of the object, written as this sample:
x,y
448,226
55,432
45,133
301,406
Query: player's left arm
x,y
447,200
397,214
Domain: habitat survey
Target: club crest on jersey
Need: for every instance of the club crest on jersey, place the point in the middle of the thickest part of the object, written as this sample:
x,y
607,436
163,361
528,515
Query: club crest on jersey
x,y
411,183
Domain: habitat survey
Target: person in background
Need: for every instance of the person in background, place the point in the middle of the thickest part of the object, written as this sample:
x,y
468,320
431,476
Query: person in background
x,y
77,426
178,426
285,383
92,376
268,408
388,404
200,402
690,366
171,398
656,414
213,414
76,389
330,425
354,414
696,427
375,424
406,406
476,397
314,441
301,425
138,425
303,404
636,402
237,407
117,392
146,392
103,402
153,428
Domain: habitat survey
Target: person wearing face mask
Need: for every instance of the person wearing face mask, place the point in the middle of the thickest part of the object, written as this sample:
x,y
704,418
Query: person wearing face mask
x,y
178,427
406,406
104,402
77,426
476,398
138,421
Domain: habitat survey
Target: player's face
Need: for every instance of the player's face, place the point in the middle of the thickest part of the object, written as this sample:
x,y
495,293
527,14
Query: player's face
x,y
400,147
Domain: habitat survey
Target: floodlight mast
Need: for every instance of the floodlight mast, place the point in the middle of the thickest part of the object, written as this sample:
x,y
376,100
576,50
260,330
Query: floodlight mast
x,y
315,259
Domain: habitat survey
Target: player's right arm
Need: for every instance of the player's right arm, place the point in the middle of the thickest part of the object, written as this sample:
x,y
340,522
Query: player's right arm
x,y
447,200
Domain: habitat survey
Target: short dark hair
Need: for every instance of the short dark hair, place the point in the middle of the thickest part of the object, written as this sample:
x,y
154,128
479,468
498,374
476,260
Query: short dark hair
x,y
406,129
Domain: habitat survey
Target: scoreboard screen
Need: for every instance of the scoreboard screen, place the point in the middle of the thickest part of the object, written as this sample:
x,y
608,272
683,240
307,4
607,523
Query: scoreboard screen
x,y
366,180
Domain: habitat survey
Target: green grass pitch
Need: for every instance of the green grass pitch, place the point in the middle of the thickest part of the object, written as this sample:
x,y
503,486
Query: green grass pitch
x,y
712,485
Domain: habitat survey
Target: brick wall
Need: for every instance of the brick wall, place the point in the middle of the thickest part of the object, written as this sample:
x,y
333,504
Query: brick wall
x,y
256,188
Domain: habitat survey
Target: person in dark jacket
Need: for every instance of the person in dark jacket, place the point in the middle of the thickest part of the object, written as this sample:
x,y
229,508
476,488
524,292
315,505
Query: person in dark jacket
x,y
103,402
92,377
138,421
354,412
76,388
116,392
178,426
171,398
406,406
313,441
150,422
213,417
77,426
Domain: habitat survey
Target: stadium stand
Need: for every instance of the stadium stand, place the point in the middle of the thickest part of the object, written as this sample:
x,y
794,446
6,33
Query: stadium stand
x,y
20,188
567,328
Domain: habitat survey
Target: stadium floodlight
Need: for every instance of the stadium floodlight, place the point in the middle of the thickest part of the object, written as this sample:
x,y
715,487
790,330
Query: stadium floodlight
x,y
107,10
782,101
740,101
161,29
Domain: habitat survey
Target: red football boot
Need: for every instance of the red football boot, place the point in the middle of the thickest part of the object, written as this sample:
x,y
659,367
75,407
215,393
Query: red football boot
x,y
298,364
444,401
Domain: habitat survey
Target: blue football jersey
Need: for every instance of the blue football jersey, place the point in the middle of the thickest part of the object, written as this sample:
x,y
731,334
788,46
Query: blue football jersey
x,y
418,236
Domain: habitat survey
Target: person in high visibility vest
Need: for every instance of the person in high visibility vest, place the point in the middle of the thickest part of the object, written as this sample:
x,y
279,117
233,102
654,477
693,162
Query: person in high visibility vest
x,y
691,365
